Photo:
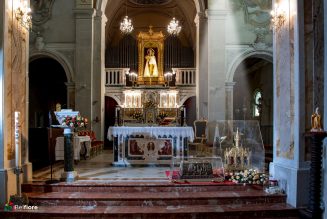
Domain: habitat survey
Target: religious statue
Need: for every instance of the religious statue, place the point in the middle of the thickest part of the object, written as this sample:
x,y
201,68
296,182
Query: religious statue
x,y
316,125
151,68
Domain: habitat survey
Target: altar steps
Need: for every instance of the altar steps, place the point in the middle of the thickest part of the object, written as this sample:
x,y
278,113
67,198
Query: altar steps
x,y
152,200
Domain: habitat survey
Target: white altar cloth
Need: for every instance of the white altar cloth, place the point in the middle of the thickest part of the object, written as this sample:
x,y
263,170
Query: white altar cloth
x,y
122,132
77,140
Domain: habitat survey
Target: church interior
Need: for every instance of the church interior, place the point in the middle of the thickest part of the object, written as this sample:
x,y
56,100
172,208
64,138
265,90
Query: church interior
x,y
163,109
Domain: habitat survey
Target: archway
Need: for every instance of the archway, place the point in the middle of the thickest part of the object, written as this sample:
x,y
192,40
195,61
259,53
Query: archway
x,y
110,105
46,88
190,105
253,97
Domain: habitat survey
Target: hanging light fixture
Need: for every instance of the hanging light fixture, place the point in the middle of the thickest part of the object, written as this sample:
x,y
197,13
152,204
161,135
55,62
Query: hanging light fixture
x,y
173,27
126,26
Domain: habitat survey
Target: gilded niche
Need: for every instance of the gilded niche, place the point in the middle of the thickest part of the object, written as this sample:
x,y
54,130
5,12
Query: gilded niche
x,y
150,50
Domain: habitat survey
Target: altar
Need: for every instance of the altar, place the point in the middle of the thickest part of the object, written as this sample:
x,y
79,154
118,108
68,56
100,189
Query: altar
x,y
150,144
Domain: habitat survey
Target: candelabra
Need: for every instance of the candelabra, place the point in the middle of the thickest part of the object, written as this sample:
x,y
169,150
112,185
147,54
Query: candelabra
x,y
133,78
168,77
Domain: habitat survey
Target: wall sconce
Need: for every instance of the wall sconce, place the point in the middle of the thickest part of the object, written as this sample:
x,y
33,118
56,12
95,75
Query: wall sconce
x,y
23,14
278,18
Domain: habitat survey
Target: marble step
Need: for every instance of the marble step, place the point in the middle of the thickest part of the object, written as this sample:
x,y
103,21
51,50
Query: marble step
x,y
123,187
153,198
239,211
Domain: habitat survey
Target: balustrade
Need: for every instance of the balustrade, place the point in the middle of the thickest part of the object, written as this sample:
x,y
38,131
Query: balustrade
x,y
116,76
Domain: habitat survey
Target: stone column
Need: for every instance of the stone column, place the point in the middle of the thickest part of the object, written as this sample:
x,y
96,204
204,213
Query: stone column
x,y
84,14
289,165
201,66
99,74
70,95
229,87
217,12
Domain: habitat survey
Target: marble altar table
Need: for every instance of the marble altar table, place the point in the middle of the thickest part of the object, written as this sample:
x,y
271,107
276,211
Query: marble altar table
x,y
152,144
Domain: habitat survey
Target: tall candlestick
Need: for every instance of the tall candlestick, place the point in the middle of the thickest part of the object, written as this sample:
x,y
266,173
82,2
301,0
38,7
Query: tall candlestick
x,y
17,139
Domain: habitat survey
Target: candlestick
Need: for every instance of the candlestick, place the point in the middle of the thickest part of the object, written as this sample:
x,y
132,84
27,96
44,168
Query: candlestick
x,y
17,139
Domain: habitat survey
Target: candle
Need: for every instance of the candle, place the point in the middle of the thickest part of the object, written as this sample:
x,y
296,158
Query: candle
x,y
17,137
184,112
116,112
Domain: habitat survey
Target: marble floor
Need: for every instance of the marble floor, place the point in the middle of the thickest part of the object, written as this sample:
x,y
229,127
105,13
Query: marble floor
x,y
99,168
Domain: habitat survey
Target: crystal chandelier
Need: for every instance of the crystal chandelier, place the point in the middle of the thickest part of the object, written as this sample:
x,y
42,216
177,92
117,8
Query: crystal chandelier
x,y
173,27
126,25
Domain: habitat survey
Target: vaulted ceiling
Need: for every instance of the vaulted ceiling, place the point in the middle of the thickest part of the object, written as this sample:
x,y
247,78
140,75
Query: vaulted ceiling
x,y
157,13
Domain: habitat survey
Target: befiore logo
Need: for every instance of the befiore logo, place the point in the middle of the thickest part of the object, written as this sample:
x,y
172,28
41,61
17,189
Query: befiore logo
x,y
9,206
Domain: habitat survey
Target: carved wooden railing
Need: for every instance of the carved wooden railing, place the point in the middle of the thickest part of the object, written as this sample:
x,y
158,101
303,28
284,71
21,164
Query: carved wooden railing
x,y
185,76
116,76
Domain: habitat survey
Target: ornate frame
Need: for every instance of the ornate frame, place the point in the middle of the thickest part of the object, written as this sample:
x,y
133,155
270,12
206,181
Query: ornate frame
x,y
154,40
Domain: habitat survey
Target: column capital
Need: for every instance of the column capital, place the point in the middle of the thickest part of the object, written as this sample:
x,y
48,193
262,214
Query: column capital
x,y
100,15
199,16
229,85
70,85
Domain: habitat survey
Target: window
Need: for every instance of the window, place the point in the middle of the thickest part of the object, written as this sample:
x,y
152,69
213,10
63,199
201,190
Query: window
x,y
257,103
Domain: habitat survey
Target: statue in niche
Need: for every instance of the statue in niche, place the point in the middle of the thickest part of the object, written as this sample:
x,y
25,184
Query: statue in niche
x,y
151,68
316,125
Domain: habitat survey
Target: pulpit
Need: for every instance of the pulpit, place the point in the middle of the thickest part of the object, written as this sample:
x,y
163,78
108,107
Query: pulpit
x,y
69,174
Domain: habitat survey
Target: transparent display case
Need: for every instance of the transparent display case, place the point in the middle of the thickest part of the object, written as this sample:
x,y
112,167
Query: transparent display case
x,y
197,169
239,144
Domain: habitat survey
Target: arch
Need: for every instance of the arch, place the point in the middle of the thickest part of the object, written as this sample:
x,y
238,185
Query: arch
x,y
186,97
266,55
115,98
58,57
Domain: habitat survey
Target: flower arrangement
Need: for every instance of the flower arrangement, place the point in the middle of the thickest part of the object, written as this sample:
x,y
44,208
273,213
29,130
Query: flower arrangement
x,y
250,176
75,121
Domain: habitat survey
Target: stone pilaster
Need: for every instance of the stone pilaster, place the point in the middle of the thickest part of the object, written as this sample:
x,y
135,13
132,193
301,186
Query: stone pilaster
x,y
201,66
216,66
229,87
289,165
99,74
84,17
13,97
70,95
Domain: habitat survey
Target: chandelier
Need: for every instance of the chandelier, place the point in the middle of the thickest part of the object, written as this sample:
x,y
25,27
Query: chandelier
x,y
126,26
173,27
